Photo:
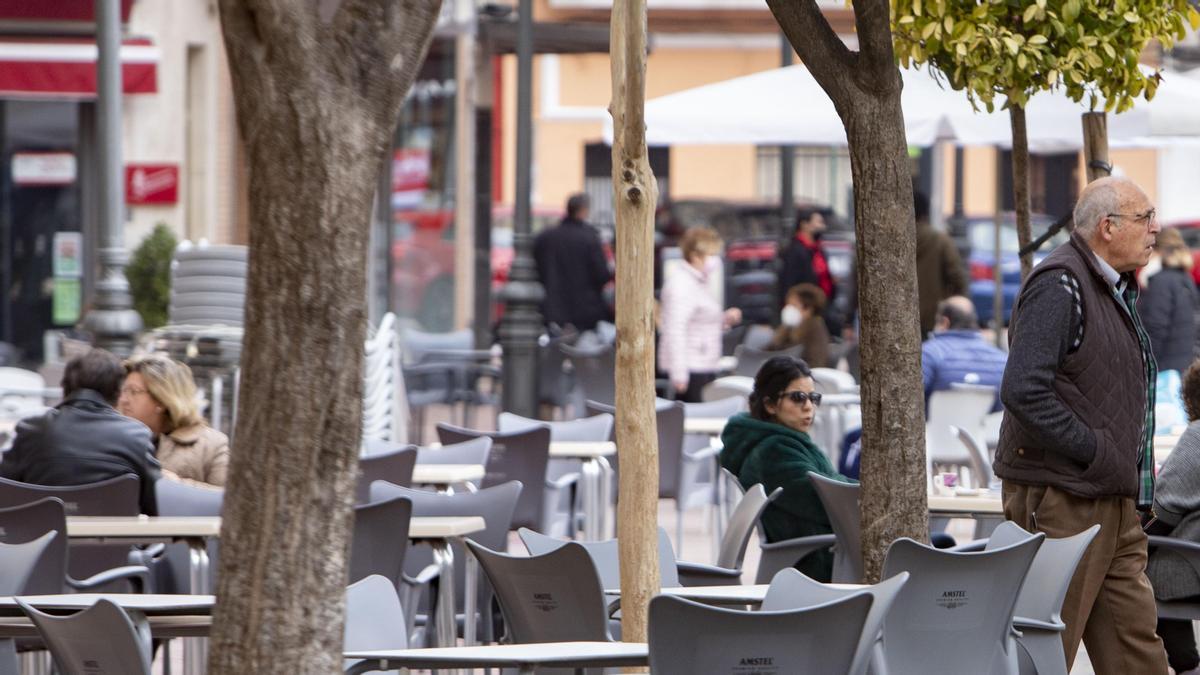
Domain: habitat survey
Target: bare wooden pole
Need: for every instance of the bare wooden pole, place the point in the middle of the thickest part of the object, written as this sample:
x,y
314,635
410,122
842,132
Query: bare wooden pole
x,y
635,194
1095,145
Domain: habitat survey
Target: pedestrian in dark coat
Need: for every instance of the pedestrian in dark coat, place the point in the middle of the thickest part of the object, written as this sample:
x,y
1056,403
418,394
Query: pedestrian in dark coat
x,y
1168,305
940,271
573,270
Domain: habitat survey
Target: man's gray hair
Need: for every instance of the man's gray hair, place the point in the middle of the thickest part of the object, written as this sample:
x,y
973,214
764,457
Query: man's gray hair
x,y
1096,202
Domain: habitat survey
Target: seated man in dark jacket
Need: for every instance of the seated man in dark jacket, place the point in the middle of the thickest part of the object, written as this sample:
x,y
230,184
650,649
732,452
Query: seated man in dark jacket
x,y
84,439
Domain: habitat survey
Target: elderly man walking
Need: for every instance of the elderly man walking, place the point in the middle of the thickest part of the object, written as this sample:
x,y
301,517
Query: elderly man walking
x,y
1075,444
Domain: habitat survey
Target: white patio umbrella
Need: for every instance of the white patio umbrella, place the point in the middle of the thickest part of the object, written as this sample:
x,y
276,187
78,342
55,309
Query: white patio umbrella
x,y
787,106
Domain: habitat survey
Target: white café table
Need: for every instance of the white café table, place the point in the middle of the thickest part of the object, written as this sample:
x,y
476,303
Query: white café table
x,y
443,476
595,477
526,658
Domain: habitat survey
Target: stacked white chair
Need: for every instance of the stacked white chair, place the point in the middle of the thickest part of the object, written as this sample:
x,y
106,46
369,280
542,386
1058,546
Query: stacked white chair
x,y
385,406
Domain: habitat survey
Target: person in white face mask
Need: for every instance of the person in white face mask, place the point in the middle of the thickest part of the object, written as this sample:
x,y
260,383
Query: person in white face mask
x,y
800,323
691,317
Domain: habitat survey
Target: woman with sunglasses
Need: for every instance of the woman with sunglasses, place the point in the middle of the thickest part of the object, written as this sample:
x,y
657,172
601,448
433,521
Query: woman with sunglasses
x,y
771,445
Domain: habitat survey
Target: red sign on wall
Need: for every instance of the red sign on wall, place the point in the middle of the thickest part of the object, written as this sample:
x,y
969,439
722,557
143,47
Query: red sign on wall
x,y
151,184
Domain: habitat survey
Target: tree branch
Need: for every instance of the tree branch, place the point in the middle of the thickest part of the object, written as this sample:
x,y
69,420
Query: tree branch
x,y
827,57
872,22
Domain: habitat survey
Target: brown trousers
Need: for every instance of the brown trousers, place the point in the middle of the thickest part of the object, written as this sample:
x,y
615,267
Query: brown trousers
x,y
1109,604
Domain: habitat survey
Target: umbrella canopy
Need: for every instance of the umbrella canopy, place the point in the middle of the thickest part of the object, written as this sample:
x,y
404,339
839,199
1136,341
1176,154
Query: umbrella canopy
x,y
786,106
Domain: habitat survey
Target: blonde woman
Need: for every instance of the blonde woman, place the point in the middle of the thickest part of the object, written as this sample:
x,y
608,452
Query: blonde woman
x,y
1168,304
691,318
161,394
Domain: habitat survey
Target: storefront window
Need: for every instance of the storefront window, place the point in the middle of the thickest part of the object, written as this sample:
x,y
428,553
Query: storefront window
x,y
423,201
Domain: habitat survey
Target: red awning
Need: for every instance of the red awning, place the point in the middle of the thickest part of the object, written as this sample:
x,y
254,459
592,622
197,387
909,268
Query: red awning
x,y
66,67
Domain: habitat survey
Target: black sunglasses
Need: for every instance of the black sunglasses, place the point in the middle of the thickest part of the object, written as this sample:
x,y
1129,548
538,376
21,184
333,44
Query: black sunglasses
x,y
799,397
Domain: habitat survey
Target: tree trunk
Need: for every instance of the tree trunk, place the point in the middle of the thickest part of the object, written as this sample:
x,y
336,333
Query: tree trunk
x,y
317,96
1095,145
865,89
1020,176
635,194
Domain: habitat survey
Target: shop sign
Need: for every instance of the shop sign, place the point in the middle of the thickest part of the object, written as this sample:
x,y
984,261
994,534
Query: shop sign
x,y
32,169
67,301
68,254
151,184
410,177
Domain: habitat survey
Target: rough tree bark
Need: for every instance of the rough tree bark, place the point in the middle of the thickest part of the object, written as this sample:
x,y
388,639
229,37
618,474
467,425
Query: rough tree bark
x,y
318,91
1020,176
865,89
1095,145
635,194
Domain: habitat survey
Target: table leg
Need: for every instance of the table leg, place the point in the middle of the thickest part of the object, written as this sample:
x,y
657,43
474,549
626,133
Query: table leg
x,y
589,479
602,498
470,597
443,557
195,650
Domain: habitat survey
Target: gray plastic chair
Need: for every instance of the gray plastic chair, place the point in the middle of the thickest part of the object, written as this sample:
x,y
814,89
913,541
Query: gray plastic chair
x,y
790,589
118,496
395,467
749,359
729,386
495,505
18,561
688,637
841,505
380,540
180,499
524,456
720,408
597,428
732,550
956,609
555,597
374,618
100,639
1039,606
605,557
700,471
474,451
981,466
20,524
595,374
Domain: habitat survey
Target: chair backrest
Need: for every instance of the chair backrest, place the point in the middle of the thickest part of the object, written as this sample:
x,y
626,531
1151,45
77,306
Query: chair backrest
x,y
556,597
495,505
981,467
29,522
594,428
688,637
520,456
374,616
395,467
841,505
669,418
749,359
417,342
604,555
757,337
722,408
1050,575
18,561
99,639
833,381
594,371
118,496
741,523
728,387
180,499
380,539
963,407
473,451
790,589
956,609
20,392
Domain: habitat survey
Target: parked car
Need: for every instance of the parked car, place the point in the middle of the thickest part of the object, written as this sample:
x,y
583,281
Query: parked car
x,y
975,237
1190,231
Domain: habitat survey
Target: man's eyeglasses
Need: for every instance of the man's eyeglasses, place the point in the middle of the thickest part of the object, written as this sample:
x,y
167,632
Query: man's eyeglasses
x,y
799,397
1146,219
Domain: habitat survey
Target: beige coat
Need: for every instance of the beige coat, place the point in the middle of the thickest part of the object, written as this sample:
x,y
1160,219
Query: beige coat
x,y
197,453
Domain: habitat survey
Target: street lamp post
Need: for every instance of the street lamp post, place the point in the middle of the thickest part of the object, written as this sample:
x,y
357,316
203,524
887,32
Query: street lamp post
x,y
522,324
112,319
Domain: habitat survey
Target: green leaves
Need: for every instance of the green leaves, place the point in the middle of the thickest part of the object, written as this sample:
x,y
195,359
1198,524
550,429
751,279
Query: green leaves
x,y
1016,48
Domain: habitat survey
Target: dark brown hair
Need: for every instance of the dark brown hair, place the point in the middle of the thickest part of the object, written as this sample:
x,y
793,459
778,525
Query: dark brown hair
x,y
1191,391
98,370
809,295
773,379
